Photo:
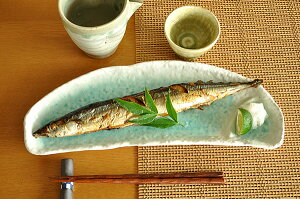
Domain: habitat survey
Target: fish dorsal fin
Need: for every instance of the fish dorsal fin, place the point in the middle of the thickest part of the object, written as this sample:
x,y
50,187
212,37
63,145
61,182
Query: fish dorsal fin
x,y
180,88
133,99
200,82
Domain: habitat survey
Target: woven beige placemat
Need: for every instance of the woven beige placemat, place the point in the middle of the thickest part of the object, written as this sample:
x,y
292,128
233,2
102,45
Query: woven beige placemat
x,y
259,39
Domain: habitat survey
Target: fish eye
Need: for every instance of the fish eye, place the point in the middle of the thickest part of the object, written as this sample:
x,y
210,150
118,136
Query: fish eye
x,y
53,126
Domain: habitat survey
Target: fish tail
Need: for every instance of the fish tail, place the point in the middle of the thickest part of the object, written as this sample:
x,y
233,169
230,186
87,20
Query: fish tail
x,y
255,83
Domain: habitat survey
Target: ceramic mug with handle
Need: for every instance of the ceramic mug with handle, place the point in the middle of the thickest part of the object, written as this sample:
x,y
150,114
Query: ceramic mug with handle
x,y
97,26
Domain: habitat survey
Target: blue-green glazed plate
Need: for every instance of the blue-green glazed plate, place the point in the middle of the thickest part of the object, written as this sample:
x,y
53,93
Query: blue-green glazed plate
x,y
212,126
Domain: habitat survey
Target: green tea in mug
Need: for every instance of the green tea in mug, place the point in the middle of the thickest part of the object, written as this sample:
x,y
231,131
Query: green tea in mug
x,y
90,13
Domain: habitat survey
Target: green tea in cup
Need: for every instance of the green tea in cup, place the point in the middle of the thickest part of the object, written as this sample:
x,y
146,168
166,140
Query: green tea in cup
x,y
191,31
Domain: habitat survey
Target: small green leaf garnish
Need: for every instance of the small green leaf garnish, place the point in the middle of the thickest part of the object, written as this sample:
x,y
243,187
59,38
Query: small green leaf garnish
x,y
170,108
133,107
144,119
147,117
162,123
149,101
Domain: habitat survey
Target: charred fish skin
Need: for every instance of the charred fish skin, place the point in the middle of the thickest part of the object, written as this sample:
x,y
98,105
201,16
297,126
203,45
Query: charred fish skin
x,y
110,115
100,115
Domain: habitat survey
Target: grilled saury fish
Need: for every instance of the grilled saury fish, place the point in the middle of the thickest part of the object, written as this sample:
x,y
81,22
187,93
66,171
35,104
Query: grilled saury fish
x,y
110,115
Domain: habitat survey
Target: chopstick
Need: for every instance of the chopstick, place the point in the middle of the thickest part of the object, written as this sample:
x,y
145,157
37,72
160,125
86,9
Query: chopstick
x,y
170,178
164,175
202,180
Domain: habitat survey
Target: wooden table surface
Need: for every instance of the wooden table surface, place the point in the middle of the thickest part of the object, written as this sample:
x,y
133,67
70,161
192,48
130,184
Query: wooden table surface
x,y
36,56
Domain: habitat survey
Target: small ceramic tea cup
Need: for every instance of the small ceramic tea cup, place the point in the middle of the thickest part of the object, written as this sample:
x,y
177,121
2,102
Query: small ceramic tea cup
x,y
191,31
97,26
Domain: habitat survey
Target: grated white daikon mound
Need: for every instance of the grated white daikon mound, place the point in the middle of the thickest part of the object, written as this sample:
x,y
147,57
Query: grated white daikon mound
x,y
258,112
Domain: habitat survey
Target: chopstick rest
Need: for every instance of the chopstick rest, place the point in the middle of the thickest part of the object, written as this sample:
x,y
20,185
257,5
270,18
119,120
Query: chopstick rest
x,y
67,169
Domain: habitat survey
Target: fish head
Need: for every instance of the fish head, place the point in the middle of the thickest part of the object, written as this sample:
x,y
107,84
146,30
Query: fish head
x,y
43,132
57,129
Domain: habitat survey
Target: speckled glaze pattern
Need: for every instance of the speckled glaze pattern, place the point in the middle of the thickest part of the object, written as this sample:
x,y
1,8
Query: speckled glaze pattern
x,y
100,41
214,125
99,46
